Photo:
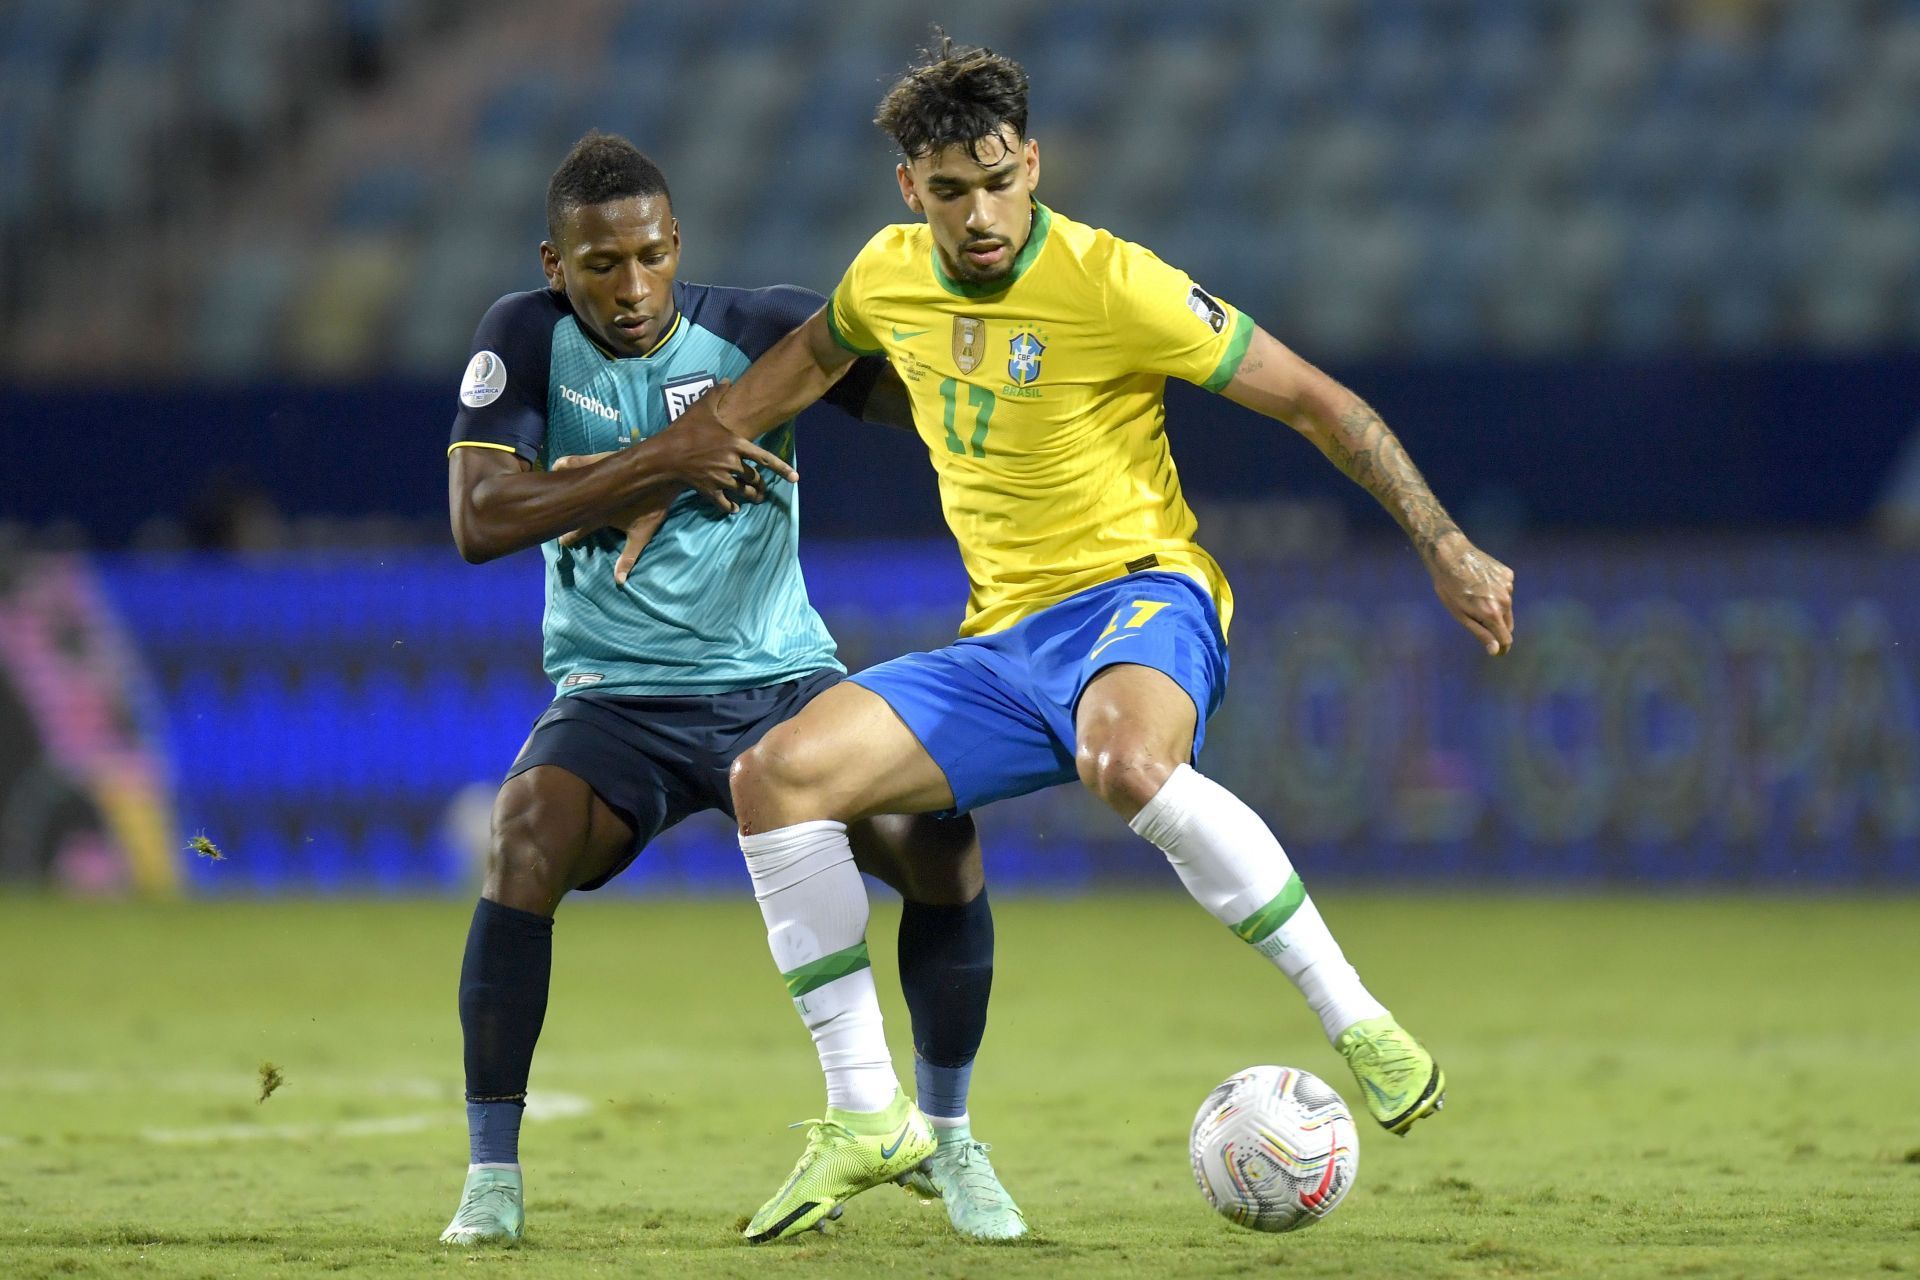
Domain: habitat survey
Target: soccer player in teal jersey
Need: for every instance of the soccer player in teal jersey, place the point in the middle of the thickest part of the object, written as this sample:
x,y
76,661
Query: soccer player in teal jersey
x,y
666,667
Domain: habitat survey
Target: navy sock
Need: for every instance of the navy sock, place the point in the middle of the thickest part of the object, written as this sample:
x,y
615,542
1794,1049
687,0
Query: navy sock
x,y
493,1132
503,1001
946,974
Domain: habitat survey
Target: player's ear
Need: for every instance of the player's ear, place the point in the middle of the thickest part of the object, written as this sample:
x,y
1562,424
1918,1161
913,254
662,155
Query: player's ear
x,y
676,235
1033,164
905,177
550,265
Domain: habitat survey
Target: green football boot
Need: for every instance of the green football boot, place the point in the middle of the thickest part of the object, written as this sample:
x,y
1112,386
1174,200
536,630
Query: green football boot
x,y
847,1153
1399,1079
490,1209
959,1175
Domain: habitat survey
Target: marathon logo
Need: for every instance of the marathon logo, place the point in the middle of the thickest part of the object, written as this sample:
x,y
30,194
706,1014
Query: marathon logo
x,y
589,403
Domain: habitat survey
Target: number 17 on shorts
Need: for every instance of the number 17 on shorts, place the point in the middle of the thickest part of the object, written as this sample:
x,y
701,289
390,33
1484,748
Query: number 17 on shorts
x,y
1137,613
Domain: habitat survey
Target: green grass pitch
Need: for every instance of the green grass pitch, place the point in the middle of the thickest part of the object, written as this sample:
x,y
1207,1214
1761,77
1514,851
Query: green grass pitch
x,y
1660,1087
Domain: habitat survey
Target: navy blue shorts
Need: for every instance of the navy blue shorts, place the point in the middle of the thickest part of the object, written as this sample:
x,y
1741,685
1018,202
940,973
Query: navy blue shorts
x,y
996,712
657,760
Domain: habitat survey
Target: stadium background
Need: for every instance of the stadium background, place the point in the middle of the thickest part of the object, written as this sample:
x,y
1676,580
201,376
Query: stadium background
x,y
1639,283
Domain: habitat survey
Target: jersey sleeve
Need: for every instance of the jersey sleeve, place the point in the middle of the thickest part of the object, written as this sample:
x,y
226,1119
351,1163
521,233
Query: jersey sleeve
x,y
844,313
503,393
786,308
758,318
1170,324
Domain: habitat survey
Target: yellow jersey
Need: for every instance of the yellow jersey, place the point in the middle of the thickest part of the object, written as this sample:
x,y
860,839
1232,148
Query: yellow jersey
x,y
1041,401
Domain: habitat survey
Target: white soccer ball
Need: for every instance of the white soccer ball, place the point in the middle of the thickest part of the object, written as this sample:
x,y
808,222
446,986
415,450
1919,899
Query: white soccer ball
x,y
1274,1149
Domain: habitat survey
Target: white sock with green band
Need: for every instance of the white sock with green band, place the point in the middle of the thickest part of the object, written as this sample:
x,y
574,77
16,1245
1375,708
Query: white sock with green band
x,y
1233,867
815,906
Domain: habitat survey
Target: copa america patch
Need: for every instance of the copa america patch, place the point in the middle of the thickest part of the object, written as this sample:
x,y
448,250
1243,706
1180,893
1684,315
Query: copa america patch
x,y
1208,308
485,379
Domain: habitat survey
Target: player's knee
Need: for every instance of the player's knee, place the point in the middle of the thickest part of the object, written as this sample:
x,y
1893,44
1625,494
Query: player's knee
x,y
780,766
528,862
1126,773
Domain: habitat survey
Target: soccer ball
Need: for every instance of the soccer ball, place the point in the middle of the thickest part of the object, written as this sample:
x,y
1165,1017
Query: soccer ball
x,y
1274,1149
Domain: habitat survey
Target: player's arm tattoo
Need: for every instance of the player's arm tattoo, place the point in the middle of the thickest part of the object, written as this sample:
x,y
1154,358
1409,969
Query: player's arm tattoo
x,y
1366,449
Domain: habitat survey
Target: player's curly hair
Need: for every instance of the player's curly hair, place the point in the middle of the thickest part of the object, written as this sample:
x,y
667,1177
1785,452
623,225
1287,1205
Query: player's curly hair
x,y
954,95
601,167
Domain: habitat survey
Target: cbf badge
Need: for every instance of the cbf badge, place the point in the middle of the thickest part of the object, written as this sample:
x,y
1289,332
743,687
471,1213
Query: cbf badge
x,y
969,342
1023,366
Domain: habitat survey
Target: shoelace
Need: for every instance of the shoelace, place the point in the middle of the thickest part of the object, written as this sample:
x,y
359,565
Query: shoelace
x,y
819,1129
978,1180
491,1198
1387,1055
816,1138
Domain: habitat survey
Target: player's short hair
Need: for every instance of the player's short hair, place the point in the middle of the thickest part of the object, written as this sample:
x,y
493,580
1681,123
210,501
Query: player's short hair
x,y
954,95
601,167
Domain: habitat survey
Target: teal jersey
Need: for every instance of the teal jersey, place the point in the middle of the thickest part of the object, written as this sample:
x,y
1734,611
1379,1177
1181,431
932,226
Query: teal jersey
x,y
716,603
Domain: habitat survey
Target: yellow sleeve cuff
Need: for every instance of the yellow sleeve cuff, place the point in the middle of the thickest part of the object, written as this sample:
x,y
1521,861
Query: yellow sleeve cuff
x,y
833,327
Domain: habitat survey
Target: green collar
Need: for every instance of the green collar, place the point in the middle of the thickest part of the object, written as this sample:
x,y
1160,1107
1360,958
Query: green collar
x,y
1036,240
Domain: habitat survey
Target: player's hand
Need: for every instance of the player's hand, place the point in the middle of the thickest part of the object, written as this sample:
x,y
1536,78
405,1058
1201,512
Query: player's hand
x,y
640,521
717,464
573,460
1477,590
574,537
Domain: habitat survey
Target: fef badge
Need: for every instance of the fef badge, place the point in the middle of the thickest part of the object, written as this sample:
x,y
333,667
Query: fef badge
x,y
969,342
1023,366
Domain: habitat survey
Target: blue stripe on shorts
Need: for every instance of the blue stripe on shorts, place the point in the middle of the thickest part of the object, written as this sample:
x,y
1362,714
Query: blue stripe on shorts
x,y
996,712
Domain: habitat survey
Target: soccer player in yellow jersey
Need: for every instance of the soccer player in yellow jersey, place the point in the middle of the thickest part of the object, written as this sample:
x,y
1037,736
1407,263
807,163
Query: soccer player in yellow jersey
x,y
1035,351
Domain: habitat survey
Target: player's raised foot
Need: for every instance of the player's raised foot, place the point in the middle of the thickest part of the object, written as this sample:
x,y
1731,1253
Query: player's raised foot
x,y
1398,1078
960,1176
847,1152
490,1209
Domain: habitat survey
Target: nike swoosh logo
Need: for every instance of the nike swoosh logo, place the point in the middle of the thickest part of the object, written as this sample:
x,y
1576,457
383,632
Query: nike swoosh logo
x,y
1104,645
886,1152
1379,1093
901,335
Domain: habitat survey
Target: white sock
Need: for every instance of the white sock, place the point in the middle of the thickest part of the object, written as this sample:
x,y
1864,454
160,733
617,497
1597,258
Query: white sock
x,y
815,907
960,1121
1233,867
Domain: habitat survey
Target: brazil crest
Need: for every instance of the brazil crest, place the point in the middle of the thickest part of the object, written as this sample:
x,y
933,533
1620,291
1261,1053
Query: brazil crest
x,y
1023,363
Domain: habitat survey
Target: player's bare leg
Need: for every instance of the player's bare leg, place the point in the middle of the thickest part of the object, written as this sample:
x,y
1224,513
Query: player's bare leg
x,y
847,756
551,834
1133,728
1134,740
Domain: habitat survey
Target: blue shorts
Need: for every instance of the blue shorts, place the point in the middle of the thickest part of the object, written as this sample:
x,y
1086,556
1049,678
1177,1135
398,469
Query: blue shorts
x,y
657,760
996,712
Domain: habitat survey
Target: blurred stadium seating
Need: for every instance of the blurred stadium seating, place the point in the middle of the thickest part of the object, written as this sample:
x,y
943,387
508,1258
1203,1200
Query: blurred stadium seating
x,y
1730,713
333,187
